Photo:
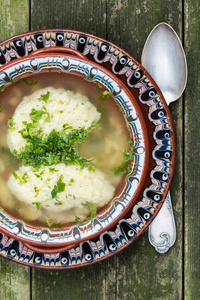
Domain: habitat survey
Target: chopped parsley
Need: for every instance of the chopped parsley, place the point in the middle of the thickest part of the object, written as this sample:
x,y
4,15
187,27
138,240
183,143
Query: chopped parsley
x,y
72,180
15,175
58,202
50,223
125,167
2,210
52,170
58,188
93,211
54,148
45,97
36,115
91,169
36,191
0,109
37,204
2,88
22,179
11,122
29,83
87,77
78,221
104,95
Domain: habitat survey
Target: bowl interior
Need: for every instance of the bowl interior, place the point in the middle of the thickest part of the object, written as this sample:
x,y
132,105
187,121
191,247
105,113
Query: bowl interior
x,y
130,185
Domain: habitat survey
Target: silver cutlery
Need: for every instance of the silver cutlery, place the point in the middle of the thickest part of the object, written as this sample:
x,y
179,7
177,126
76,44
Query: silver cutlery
x,y
164,58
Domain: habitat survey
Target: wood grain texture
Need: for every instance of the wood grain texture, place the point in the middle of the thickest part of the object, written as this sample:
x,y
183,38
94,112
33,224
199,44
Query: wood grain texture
x,y
14,278
138,272
14,17
192,163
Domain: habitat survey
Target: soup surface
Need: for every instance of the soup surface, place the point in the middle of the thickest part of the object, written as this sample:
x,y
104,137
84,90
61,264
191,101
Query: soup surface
x,y
105,144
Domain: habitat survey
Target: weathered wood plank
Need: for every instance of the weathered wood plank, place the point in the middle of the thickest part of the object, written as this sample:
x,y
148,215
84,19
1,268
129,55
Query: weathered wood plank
x,y
192,163
88,15
138,272
14,278
14,18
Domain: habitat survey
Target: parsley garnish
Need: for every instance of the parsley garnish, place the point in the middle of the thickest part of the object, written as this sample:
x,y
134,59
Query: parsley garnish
x,y
2,88
36,115
22,179
58,188
37,204
54,148
58,202
29,83
15,175
78,220
0,109
87,77
93,211
2,210
128,156
104,95
50,223
11,123
90,168
52,170
45,97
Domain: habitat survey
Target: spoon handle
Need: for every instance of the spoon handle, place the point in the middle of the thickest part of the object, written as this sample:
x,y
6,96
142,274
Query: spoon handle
x,y
162,231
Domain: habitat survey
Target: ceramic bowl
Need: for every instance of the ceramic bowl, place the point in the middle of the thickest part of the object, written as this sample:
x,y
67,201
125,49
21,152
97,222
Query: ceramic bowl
x,y
66,61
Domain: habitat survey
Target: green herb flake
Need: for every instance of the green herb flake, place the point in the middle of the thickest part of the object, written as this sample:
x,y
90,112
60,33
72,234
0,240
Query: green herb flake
x,y
87,77
58,202
2,210
24,178
37,204
58,188
15,175
125,167
72,180
29,83
2,88
36,190
92,211
78,221
50,223
44,97
52,170
104,95
0,109
11,122
91,169
54,148
36,115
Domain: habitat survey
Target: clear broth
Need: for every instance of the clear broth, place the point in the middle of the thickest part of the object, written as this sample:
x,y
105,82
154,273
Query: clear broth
x,y
105,144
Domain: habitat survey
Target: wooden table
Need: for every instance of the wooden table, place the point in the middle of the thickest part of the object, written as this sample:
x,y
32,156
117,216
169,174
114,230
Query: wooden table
x,y
138,272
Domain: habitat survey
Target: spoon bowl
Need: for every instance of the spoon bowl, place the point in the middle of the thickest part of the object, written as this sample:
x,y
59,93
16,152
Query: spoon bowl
x,y
164,58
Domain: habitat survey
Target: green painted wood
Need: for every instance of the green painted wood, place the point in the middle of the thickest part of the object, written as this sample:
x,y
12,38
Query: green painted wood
x,y
14,278
138,272
192,163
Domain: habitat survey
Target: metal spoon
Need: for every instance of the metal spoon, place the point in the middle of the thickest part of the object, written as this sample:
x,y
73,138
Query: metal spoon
x,y
164,58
